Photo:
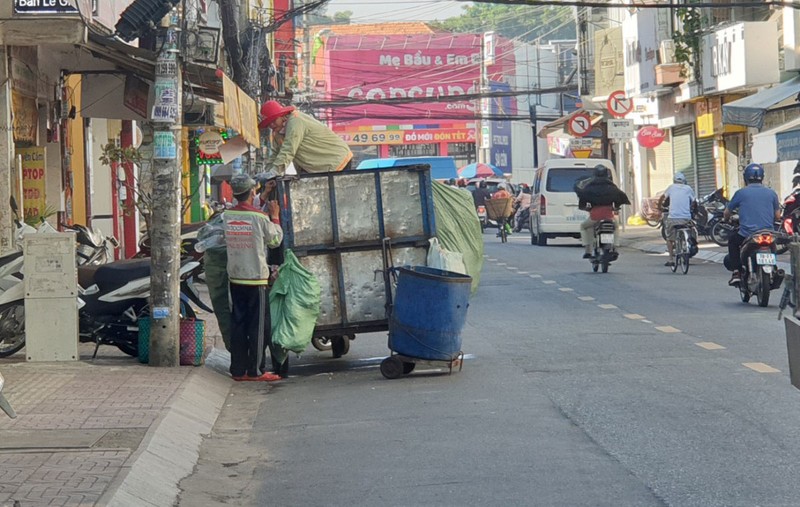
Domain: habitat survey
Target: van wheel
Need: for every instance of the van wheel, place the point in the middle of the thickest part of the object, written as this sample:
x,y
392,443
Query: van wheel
x,y
541,239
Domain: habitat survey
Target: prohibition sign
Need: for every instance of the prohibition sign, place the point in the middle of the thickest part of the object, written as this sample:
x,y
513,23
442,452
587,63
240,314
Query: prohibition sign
x,y
579,124
619,105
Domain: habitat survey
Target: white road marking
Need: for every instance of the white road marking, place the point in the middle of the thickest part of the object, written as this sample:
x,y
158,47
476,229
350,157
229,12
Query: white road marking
x,y
511,268
501,263
490,259
607,307
761,367
535,276
647,321
633,316
565,289
668,329
549,282
523,272
710,345
586,298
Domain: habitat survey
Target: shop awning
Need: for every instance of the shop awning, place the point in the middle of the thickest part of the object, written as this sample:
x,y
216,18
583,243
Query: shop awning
x,y
766,150
750,110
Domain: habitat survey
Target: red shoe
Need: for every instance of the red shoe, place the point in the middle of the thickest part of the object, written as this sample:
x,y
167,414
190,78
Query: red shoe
x,y
264,377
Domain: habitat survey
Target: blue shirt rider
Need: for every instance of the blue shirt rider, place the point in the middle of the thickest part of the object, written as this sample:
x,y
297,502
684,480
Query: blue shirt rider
x,y
758,208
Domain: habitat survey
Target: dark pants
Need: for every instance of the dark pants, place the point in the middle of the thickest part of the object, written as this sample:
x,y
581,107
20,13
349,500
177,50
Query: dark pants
x,y
734,246
251,332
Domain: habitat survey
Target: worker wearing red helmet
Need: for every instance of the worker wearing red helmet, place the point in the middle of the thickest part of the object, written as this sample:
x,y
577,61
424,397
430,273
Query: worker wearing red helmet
x,y
303,140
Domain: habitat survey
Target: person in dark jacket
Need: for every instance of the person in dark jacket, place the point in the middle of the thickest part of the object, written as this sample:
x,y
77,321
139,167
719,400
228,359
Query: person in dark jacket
x,y
601,197
480,194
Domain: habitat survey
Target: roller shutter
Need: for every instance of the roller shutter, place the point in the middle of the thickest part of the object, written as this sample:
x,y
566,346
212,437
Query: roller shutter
x,y
682,156
706,166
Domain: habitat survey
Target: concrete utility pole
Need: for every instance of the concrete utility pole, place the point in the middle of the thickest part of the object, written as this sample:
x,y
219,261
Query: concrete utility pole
x,y
167,116
6,158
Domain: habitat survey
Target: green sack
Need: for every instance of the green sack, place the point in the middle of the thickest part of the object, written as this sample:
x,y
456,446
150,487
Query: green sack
x,y
458,227
294,304
215,265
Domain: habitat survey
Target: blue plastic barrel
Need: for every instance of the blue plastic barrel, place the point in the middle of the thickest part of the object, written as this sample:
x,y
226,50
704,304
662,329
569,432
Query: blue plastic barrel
x,y
429,311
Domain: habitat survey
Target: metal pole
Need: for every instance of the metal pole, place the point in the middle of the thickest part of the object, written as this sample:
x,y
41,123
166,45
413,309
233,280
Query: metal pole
x,y
623,180
165,262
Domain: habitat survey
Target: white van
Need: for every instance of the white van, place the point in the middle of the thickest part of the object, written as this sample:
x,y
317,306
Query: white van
x,y
554,204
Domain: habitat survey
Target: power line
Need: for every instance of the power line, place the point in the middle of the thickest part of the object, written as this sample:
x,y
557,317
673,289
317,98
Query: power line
x,y
633,4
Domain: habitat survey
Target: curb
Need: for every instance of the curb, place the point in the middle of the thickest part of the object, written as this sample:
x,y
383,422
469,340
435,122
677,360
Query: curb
x,y
171,448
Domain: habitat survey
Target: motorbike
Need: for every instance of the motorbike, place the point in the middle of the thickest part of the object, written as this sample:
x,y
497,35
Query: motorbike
x,y
93,246
708,213
5,406
484,219
113,297
760,273
188,240
604,251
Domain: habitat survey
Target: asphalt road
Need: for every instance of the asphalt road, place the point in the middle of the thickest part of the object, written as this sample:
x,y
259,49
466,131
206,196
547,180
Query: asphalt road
x,y
637,387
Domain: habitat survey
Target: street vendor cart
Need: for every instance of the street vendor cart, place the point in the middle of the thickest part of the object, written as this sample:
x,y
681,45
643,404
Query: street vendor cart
x,y
349,229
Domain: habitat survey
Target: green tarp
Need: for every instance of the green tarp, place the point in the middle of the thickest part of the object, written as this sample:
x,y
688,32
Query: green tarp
x,y
215,264
458,227
294,304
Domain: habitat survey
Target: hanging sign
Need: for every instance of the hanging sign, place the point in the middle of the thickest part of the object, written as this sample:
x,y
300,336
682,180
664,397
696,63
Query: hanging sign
x,y
618,104
579,124
620,129
650,136
33,180
209,142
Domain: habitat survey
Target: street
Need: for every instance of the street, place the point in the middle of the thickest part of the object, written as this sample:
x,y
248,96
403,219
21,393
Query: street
x,y
637,387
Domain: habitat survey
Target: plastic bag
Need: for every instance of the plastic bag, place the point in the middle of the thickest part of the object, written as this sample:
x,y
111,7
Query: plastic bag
x,y
440,258
211,235
294,304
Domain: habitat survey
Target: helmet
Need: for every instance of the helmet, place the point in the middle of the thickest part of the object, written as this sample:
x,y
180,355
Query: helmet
x,y
679,177
754,173
601,171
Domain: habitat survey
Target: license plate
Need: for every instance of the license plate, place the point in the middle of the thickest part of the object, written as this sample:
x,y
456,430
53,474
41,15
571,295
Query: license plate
x,y
766,258
607,238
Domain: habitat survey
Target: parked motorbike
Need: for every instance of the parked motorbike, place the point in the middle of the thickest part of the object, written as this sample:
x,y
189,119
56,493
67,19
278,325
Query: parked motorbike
x,y
708,213
5,406
760,273
114,296
188,240
604,250
93,246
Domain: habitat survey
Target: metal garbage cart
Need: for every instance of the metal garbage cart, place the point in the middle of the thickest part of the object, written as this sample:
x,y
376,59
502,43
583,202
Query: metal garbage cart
x,y
349,229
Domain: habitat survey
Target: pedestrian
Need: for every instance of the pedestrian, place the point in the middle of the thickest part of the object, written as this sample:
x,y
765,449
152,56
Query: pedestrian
x,y
301,139
249,233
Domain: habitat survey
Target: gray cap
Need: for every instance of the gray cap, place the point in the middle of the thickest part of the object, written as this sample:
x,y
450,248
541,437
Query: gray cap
x,y
242,183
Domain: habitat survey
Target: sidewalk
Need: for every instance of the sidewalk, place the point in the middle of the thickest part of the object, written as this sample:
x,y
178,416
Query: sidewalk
x,y
105,432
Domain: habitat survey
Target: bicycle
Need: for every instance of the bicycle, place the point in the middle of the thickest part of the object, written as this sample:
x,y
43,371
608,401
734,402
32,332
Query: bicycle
x,y
681,251
500,210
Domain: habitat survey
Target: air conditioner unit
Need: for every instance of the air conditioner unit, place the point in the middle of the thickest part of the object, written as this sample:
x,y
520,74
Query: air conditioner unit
x,y
666,51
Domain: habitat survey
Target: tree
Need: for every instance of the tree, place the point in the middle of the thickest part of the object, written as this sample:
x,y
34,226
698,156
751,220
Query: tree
x,y
524,22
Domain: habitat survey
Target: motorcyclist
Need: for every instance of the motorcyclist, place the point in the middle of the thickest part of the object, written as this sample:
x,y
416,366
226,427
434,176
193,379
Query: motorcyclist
x,y
758,209
681,201
600,196
523,202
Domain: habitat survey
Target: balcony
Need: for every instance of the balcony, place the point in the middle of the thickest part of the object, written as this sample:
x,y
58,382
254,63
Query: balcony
x,y
669,74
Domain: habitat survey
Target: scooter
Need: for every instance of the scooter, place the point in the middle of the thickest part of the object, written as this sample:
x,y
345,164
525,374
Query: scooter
x,y
5,406
760,273
93,246
604,250
115,297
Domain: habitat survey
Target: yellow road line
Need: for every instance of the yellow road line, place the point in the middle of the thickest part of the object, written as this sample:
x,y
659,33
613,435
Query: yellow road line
x,y
710,345
761,367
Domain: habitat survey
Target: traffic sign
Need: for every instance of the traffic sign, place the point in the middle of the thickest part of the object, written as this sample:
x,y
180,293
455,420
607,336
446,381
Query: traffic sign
x,y
579,124
620,129
618,104
581,153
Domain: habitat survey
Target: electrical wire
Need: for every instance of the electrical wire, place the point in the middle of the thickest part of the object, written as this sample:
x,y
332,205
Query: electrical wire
x,y
641,4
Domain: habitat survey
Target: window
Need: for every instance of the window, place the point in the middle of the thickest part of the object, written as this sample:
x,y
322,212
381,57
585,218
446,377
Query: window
x,y
563,180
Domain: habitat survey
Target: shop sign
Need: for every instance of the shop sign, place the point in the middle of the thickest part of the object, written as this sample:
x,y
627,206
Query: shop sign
x,y
136,93
609,66
34,199
650,137
558,145
26,118
209,142
640,38
741,55
45,7
788,144
416,136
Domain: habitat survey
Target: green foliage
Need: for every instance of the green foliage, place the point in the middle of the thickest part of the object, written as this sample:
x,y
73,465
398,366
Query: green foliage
x,y
34,220
525,22
687,40
113,154
342,17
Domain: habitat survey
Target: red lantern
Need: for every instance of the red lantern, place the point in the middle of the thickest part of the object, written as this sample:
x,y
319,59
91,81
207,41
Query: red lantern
x,y
650,137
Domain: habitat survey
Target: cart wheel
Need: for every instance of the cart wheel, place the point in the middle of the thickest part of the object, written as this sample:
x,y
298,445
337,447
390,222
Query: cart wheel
x,y
340,345
408,367
392,367
321,343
